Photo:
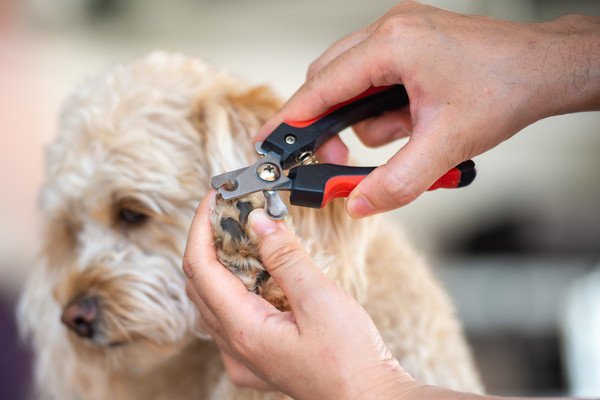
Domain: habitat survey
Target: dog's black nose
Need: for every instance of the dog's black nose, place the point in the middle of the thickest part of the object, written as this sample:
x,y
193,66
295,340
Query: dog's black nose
x,y
80,315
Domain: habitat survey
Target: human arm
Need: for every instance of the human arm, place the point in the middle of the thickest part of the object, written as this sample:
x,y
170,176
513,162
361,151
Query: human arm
x,y
473,82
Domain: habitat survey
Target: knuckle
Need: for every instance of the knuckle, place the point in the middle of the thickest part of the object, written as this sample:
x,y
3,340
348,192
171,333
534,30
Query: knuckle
x,y
392,26
313,68
362,131
384,70
371,144
367,137
237,377
315,86
407,5
190,269
408,26
398,189
369,141
284,255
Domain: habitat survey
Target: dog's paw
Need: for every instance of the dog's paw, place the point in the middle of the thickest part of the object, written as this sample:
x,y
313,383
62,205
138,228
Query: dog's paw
x,y
237,248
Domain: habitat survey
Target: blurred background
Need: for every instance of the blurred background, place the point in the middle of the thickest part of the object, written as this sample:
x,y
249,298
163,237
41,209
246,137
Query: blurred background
x,y
518,250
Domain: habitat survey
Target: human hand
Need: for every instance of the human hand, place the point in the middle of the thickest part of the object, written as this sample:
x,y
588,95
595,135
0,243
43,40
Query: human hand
x,y
326,347
472,81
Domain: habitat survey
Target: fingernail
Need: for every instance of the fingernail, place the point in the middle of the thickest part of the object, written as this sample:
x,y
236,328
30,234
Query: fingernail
x,y
260,223
359,207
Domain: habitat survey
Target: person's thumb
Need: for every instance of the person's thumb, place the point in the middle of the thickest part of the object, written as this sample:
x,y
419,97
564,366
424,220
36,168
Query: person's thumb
x,y
410,172
287,261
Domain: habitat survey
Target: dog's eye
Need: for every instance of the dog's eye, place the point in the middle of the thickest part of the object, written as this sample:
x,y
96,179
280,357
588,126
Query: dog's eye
x,y
131,217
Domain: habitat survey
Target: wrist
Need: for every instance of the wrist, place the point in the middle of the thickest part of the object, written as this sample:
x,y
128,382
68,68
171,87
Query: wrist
x,y
569,65
438,393
387,381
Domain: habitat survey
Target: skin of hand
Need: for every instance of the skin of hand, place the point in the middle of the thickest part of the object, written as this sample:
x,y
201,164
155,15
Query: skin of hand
x,y
472,81
327,347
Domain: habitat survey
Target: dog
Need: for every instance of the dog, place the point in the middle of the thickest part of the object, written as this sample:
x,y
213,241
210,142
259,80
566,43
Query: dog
x,y
105,309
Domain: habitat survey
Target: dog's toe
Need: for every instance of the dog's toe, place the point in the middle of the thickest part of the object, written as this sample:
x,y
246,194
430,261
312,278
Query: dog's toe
x,y
237,250
235,247
233,227
244,207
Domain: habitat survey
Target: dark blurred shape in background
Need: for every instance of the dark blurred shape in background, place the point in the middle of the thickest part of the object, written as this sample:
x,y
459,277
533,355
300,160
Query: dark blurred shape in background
x,y
14,362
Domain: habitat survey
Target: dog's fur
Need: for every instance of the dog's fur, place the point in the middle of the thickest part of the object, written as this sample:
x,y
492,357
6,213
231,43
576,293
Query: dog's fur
x,y
147,137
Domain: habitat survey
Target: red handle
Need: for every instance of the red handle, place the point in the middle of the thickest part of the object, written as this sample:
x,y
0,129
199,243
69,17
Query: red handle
x,y
341,185
460,176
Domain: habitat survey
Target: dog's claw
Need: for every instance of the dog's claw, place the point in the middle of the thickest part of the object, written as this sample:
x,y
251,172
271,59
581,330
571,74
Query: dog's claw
x,y
233,227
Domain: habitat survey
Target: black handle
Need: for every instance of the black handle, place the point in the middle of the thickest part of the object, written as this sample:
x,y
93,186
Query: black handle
x,y
314,185
289,141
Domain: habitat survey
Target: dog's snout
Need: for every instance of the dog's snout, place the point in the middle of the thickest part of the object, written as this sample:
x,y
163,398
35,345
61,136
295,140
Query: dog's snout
x,y
81,315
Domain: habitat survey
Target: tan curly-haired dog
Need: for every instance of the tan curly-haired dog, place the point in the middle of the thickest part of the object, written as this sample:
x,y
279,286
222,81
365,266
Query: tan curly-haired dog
x,y
106,310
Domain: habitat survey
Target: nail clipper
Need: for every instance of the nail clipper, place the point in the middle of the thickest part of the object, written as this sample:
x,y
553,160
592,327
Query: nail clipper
x,y
292,146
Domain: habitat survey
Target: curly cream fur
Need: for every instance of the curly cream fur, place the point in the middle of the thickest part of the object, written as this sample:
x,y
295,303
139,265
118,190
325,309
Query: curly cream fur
x,y
148,136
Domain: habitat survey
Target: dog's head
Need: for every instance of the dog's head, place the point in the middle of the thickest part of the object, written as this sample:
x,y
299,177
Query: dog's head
x,y
134,155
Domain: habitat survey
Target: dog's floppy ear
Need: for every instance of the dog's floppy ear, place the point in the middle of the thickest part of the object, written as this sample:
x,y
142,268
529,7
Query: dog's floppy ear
x,y
254,106
228,122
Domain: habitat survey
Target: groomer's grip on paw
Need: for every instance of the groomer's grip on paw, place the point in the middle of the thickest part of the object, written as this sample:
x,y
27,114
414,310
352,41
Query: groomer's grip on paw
x,y
306,352
315,185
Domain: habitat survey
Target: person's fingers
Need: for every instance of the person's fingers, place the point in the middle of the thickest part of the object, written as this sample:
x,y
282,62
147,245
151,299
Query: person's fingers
x,y
384,129
241,375
290,265
222,292
333,151
410,172
338,48
348,75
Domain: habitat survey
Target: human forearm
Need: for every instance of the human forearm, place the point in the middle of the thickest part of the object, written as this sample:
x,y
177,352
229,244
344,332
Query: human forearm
x,y
570,64
401,391
437,393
